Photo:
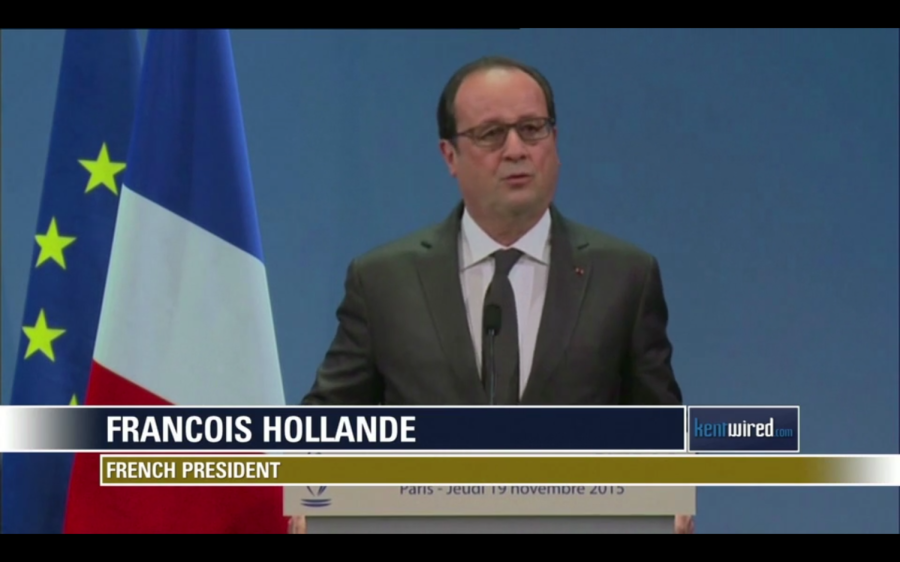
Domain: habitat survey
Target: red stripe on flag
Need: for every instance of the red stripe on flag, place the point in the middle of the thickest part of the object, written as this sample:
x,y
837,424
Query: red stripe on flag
x,y
178,510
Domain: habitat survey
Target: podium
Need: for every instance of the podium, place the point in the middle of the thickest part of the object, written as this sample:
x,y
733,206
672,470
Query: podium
x,y
490,509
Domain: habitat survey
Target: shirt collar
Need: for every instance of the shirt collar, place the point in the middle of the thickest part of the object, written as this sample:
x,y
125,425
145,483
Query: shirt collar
x,y
480,246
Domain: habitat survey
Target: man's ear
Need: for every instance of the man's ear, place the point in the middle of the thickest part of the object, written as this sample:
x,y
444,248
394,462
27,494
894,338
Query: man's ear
x,y
448,152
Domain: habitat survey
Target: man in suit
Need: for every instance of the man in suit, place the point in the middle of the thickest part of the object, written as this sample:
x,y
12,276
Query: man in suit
x,y
582,314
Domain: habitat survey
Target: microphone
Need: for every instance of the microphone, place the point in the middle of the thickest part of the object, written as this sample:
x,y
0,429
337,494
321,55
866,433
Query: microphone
x,y
491,322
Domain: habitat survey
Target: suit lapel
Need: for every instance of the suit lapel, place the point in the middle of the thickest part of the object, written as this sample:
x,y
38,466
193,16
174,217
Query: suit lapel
x,y
568,276
438,268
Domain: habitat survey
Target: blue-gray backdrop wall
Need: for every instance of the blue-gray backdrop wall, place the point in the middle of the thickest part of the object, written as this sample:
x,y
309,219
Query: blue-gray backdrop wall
x,y
760,167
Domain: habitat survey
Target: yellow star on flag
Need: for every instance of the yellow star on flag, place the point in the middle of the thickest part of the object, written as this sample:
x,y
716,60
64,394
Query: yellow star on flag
x,y
52,245
40,337
74,401
103,171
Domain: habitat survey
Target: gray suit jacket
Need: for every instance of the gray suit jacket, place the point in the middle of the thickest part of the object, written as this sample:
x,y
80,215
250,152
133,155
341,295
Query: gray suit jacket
x,y
403,336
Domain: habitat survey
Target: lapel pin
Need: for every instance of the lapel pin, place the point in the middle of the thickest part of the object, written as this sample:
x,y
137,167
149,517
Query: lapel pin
x,y
579,271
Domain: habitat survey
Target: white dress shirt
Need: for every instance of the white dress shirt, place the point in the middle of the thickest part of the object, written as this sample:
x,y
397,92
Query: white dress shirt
x,y
528,278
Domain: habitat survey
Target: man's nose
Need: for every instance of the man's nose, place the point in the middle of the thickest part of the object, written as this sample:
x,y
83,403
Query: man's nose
x,y
514,148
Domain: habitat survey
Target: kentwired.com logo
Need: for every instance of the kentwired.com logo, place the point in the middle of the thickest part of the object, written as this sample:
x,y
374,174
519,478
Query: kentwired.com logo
x,y
741,428
737,429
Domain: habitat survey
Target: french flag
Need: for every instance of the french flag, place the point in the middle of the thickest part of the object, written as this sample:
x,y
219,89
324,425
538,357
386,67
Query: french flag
x,y
186,316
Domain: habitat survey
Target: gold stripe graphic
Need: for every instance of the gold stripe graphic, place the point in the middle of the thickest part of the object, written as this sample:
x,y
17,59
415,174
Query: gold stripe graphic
x,y
505,470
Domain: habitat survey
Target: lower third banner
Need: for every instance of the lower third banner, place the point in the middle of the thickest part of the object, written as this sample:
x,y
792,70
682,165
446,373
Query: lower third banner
x,y
330,429
593,470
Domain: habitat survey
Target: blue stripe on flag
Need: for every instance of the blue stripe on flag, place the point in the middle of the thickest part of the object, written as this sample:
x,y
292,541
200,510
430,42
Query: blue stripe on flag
x,y
92,123
199,173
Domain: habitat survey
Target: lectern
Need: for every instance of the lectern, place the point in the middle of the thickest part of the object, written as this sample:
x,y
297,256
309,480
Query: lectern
x,y
490,509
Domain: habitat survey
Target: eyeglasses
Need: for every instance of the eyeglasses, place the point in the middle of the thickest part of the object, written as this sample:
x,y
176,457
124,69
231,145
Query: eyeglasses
x,y
493,135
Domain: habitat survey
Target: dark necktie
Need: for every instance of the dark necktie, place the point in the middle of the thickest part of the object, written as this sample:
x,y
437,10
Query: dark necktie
x,y
506,342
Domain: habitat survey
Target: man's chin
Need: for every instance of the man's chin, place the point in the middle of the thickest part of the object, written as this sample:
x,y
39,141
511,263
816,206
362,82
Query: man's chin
x,y
519,205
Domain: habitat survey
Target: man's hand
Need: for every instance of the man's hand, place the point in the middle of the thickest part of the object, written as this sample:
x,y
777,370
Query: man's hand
x,y
297,525
684,524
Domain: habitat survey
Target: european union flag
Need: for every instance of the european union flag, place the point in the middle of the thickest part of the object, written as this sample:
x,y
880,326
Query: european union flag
x,y
92,122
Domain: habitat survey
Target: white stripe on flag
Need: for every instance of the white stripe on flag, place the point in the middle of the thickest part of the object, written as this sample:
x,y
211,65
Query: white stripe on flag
x,y
186,315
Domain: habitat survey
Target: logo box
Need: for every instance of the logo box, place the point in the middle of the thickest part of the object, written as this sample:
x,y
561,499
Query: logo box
x,y
743,429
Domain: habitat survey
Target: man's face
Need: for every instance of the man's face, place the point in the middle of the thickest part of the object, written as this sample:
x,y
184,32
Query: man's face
x,y
519,176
